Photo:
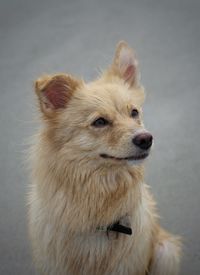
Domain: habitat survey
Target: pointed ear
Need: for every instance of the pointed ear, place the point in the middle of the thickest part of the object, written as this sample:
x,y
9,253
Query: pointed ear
x,y
54,92
125,64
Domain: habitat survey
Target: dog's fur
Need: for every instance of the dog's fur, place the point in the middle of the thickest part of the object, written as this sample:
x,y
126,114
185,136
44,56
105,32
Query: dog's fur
x,y
75,189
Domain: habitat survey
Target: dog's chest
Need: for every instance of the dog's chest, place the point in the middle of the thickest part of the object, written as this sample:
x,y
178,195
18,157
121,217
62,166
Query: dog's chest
x,y
90,253
108,254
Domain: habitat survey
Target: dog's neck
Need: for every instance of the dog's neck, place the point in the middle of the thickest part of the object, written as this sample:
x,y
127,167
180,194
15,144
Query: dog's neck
x,y
106,195
96,195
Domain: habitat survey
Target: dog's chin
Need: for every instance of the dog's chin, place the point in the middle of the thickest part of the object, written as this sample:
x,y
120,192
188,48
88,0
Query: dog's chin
x,y
135,162
130,160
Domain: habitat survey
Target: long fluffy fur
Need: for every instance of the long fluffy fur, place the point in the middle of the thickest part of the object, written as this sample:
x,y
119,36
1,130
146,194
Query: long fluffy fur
x,y
73,192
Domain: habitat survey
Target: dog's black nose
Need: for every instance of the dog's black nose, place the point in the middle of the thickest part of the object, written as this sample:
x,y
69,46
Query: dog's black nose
x,y
143,140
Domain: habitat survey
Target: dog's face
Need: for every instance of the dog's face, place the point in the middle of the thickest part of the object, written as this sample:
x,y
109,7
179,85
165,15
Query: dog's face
x,y
100,121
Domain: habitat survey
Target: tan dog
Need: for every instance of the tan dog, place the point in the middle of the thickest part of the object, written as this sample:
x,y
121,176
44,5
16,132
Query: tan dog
x,y
87,193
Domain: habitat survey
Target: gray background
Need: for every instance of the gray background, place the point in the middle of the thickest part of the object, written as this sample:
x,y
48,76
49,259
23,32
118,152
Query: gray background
x,y
79,36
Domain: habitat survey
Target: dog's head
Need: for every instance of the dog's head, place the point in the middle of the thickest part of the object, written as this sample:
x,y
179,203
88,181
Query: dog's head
x,y
100,121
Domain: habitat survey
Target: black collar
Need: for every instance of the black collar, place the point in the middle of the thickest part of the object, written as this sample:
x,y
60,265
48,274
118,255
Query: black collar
x,y
117,227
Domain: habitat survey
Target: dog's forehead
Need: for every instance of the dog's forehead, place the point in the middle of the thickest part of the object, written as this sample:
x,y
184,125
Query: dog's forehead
x,y
103,89
104,99
108,94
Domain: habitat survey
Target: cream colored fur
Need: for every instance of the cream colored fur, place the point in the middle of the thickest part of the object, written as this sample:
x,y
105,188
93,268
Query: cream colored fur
x,y
74,190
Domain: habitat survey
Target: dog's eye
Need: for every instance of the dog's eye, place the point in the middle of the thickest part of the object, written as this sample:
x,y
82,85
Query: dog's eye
x,y
134,113
100,122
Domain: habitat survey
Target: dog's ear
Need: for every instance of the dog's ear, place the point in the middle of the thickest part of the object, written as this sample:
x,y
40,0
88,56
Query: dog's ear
x,y
125,64
54,92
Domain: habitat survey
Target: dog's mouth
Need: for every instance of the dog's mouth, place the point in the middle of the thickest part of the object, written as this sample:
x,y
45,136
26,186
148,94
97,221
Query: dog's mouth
x,y
136,157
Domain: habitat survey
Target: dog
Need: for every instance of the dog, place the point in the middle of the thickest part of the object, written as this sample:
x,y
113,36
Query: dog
x,y
90,211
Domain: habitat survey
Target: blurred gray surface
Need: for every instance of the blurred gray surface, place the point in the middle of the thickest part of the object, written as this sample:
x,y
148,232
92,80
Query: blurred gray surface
x,y
79,36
